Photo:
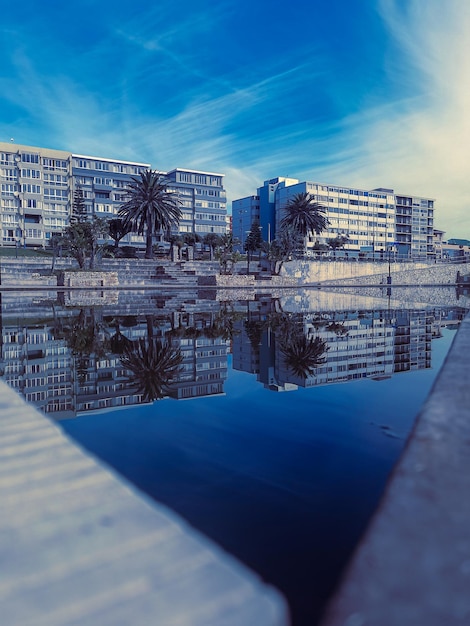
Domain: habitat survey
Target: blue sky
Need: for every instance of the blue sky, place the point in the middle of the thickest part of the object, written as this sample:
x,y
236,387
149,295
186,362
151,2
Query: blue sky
x,y
367,93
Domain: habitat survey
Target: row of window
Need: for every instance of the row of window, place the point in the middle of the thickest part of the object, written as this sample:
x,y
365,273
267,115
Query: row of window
x,y
106,166
351,192
199,179
210,217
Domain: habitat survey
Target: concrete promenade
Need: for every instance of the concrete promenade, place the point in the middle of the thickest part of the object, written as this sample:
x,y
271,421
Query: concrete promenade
x,y
413,566
79,546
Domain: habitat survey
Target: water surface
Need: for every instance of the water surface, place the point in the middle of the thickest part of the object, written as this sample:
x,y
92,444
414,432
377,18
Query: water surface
x,y
274,433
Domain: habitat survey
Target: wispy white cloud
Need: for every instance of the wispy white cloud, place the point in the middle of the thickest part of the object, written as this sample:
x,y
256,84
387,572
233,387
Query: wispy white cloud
x,y
420,142
263,119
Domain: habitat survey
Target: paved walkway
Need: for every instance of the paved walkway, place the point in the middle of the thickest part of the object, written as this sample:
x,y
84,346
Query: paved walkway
x,y
413,566
78,546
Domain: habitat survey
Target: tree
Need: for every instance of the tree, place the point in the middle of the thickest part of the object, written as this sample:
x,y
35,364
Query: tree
x,y
337,242
225,253
85,335
99,229
117,230
253,241
319,248
79,211
305,216
150,207
281,249
82,240
77,241
212,240
176,241
56,242
191,239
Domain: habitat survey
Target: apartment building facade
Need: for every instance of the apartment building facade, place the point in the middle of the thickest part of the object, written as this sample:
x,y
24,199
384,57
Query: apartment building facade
x,y
37,186
374,222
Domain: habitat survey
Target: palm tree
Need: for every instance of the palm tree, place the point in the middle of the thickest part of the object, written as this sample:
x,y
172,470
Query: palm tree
x,y
304,215
154,365
302,355
150,207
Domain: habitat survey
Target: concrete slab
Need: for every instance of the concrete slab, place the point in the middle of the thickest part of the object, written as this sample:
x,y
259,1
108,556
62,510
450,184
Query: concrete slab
x,y
79,546
413,566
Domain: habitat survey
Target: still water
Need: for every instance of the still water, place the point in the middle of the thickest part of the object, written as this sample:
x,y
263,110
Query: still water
x,y
270,424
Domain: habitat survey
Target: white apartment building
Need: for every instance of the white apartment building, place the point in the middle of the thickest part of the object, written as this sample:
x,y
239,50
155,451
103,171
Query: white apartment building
x,y
374,221
37,187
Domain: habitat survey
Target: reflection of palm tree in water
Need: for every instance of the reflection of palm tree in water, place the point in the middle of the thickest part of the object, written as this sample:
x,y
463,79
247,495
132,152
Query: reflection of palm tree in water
x,y
118,342
302,355
85,335
154,365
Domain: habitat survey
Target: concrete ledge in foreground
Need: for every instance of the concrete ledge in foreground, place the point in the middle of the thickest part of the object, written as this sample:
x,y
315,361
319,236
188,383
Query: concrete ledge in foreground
x,y
80,547
413,566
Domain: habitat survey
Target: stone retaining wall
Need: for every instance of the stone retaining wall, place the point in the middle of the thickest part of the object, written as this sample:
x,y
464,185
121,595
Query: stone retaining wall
x,y
90,279
243,280
429,275
329,271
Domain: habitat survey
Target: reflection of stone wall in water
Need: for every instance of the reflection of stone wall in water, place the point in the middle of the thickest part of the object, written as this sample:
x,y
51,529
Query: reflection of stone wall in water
x,y
91,298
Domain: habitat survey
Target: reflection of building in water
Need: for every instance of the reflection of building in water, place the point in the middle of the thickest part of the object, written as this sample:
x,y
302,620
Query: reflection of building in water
x,y
204,368
38,366
369,344
41,364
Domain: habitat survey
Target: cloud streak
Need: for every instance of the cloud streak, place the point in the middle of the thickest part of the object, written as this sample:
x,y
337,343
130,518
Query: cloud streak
x,y
173,101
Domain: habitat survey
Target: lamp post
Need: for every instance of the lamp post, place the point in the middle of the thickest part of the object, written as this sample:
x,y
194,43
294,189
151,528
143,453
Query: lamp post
x,y
389,277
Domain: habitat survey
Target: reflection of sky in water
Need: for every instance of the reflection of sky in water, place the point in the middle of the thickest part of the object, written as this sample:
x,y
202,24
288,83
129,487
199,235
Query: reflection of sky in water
x,y
285,481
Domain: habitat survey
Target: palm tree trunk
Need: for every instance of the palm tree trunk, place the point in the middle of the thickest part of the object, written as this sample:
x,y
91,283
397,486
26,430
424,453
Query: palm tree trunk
x,y
148,246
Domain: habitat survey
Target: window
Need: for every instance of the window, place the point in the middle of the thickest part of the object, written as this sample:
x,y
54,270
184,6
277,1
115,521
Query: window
x,y
84,180
102,181
9,173
30,158
56,193
33,233
55,207
10,204
28,188
58,164
56,179
27,173
104,208
99,165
